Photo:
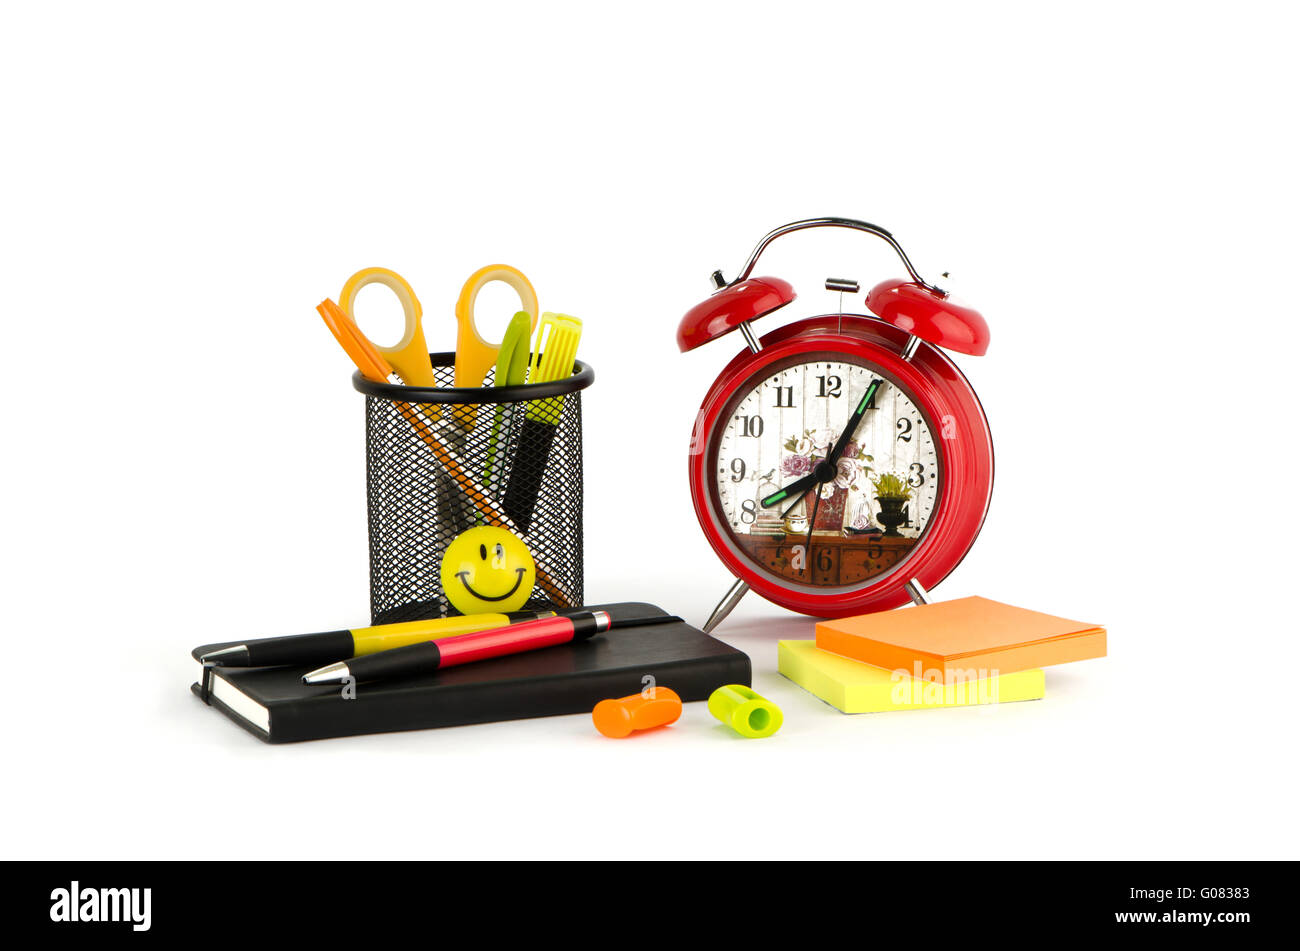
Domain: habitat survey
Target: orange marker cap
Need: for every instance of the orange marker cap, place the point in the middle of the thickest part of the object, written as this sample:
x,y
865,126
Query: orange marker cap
x,y
657,706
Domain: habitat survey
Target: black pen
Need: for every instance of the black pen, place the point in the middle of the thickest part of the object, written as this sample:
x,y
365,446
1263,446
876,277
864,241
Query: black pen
x,y
303,649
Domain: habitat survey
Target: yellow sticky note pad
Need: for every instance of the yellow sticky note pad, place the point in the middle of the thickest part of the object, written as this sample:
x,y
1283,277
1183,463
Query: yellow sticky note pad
x,y
853,687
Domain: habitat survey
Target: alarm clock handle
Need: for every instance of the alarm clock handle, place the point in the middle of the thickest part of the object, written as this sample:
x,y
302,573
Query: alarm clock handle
x,y
850,223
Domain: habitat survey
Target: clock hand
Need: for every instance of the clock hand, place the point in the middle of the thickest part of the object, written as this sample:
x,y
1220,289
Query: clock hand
x,y
812,523
795,489
795,503
863,405
793,506
819,475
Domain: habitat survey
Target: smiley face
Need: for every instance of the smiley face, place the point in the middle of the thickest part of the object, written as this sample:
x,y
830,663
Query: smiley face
x,y
487,570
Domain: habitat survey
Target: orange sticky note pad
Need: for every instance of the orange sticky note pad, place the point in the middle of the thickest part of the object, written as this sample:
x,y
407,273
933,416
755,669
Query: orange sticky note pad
x,y
968,634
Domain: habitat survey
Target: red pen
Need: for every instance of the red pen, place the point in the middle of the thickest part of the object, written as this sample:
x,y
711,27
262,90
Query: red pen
x,y
464,648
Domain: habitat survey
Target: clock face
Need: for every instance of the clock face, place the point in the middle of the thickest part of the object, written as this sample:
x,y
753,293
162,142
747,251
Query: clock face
x,y
875,500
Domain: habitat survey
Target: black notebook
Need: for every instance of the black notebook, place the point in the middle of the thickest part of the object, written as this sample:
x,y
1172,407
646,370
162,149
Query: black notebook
x,y
275,705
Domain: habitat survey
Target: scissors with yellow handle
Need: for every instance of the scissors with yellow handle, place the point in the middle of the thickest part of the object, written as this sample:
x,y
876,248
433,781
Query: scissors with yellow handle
x,y
474,355
409,357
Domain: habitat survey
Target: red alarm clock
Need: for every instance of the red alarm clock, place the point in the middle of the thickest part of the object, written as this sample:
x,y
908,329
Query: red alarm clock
x,y
840,457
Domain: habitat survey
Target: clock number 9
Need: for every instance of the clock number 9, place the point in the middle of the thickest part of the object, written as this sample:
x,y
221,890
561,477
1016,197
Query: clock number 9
x,y
737,470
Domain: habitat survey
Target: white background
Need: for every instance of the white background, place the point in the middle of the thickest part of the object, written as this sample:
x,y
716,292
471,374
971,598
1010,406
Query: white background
x,y
1114,187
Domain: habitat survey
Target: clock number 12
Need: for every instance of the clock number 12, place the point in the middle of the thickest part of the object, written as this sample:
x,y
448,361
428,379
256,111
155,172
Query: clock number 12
x,y
829,386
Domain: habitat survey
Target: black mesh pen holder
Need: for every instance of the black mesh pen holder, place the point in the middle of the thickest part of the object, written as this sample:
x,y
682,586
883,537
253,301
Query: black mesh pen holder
x,y
441,460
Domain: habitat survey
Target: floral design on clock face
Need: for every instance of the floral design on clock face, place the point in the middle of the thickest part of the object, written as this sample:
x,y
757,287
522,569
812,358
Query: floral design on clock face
x,y
851,518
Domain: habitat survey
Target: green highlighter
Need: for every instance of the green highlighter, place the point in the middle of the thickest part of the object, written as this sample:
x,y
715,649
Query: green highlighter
x,y
554,358
511,369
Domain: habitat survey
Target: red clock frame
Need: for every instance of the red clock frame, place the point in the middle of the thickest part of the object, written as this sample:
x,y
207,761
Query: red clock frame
x,y
962,441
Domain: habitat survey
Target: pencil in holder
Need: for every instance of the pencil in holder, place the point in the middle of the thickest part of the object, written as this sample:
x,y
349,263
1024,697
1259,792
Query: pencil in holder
x,y
440,460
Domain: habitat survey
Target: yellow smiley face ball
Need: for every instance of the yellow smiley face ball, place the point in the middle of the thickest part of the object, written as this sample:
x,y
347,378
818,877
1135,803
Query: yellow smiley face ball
x,y
487,570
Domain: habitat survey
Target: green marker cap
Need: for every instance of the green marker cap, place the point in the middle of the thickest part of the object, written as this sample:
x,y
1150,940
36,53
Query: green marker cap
x,y
745,711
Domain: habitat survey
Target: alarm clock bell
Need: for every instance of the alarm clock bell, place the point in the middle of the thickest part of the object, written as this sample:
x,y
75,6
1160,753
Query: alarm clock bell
x,y
926,314
732,307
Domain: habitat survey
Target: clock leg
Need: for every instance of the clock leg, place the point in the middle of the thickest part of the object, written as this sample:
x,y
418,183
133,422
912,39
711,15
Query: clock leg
x,y
724,607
